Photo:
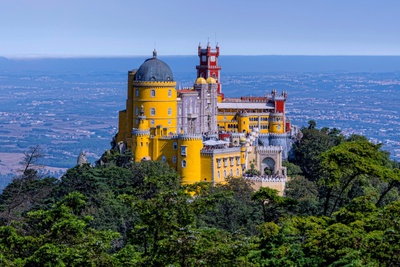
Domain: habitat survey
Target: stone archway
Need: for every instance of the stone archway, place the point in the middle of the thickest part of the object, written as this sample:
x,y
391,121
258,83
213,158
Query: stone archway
x,y
268,165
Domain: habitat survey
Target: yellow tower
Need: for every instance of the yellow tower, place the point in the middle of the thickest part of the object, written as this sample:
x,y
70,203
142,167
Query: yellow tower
x,y
141,139
276,123
152,89
189,167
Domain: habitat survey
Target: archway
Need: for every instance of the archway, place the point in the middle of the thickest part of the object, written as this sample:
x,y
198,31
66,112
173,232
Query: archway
x,y
268,165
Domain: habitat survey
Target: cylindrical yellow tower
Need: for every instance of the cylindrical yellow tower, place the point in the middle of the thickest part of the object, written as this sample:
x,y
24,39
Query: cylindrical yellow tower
x,y
188,165
154,90
243,122
243,150
141,139
276,123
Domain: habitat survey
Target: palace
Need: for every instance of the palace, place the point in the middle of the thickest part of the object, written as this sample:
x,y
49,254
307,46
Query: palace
x,y
201,133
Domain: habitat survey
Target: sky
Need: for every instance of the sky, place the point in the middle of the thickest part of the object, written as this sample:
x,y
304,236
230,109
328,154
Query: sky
x,y
88,28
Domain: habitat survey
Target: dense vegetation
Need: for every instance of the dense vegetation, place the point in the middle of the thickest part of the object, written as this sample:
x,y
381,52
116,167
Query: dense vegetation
x,y
342,208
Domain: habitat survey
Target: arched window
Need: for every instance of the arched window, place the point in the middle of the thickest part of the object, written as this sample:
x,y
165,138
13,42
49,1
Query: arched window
x,y
137,92
174,159
237,172
164,159
152,111
153,93
224,173
169,111
175,145
183,163
137,111
169,93
219,175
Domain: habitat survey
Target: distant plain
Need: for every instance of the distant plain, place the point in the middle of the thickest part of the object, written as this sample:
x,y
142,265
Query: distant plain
x,y
71,105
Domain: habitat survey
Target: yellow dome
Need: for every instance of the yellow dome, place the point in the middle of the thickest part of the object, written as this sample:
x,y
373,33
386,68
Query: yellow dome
x,y
211,80
242,139
201,80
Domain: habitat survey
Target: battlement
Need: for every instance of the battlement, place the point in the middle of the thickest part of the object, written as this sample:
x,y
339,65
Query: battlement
x,y
137,132
216,151
190,137
269,149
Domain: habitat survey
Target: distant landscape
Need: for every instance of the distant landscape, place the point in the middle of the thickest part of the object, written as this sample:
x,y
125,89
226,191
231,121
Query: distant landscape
x,y
71,105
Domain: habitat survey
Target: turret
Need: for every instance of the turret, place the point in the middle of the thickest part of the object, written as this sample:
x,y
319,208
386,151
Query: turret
x,y
188,165
141,138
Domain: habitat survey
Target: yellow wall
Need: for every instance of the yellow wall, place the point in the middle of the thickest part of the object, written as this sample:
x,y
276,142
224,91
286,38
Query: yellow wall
x,y
191,173
222,166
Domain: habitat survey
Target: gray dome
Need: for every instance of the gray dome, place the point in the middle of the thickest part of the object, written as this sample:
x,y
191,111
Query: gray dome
x,y
154,70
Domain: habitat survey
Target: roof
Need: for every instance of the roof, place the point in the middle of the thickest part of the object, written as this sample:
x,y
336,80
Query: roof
x,y
154,69
246,105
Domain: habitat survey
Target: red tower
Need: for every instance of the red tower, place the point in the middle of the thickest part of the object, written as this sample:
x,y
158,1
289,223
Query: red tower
x,y
209,65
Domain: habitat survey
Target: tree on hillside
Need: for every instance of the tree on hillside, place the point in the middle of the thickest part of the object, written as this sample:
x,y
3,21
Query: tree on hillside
x,y
349,164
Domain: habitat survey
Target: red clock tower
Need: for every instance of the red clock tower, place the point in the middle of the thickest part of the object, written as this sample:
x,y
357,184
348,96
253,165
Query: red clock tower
x,y
209,65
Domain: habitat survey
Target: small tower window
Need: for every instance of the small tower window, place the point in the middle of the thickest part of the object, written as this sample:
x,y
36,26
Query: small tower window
x,y
152,111
137,92
183,163
175,145
169,111
183,151
153,93
169,93
174,159
164,159
137,111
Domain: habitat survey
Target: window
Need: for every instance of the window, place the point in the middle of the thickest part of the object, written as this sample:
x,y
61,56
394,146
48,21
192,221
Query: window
x,y
175,145
137,92
169,111
219,163
169,121
224,173
232,161
164,159
231,173
237,161
183,150
174,159
237,172
152,111
225,162
169,93
137,121
183,163
151,121
153,93
219,174
137,111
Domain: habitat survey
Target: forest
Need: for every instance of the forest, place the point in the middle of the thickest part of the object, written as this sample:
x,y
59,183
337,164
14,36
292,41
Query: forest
x,y
341,208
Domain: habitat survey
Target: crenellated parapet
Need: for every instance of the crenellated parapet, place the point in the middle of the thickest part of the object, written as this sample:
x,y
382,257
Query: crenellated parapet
x,y
137,132
269,149
190,137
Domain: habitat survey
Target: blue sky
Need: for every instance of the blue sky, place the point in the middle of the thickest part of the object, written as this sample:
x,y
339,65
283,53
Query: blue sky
x,y
52,28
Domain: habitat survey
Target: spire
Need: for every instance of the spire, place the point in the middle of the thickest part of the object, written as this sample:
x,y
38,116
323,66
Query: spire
x,y
155,53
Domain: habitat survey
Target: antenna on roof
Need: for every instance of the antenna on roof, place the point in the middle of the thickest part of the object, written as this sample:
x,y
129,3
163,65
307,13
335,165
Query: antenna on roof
x,y
215,34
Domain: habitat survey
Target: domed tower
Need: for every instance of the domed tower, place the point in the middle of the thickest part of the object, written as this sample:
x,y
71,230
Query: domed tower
x,y
151,88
